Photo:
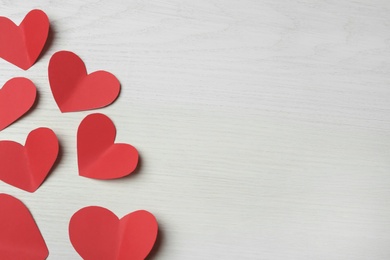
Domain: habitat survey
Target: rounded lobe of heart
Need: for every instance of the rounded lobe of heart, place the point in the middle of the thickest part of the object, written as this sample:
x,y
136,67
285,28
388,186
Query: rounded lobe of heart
x,y
98,156
26,167
36,30
21,45
75,90
42,150
12,46
20,237
94,233
139,233
16,97
97,233
95,135
96,90
118,161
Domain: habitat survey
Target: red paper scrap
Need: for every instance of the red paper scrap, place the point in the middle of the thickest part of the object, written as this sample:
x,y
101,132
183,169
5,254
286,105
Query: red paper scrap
x,y
21,45
16,97
20,237
97,234
26,167
75,90
98,156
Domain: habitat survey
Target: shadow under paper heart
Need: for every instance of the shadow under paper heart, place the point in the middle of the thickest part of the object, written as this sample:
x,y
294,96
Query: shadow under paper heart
x,y
157,245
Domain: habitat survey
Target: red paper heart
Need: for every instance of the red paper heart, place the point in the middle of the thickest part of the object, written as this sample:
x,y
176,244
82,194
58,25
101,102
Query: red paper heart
x,y
26,167
21,45
16,97
20,237
98,156
74,90
97,233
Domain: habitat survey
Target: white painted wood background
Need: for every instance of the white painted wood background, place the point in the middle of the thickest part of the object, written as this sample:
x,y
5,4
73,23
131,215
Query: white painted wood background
x,y
263,125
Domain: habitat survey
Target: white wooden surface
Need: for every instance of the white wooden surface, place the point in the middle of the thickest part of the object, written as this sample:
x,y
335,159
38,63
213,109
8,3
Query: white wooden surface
x,y
263,125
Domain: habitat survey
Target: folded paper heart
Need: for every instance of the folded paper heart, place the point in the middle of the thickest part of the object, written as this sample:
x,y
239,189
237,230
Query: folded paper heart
x,y
21,45
20,237
16,97
98,156
26,167
74,90
97,234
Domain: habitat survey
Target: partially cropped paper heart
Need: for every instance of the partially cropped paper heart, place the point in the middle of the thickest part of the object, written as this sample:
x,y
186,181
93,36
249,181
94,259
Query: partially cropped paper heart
x,y
20,237
16,97
98,156
75,90
26,167
98,234
21,45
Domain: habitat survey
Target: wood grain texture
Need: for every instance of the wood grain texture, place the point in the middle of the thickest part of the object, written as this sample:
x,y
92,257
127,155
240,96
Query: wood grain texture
x,y
263,126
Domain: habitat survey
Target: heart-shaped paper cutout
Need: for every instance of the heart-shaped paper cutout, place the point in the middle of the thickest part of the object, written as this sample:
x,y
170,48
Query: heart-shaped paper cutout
x,y
26,167
97,234
16,97
21,45
20,237
74,90
98,156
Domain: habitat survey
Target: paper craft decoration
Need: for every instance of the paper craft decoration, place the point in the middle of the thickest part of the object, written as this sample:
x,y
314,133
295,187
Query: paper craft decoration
x,y
26,167
16,97
97,234
21,45
20,237
98,156
74,90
